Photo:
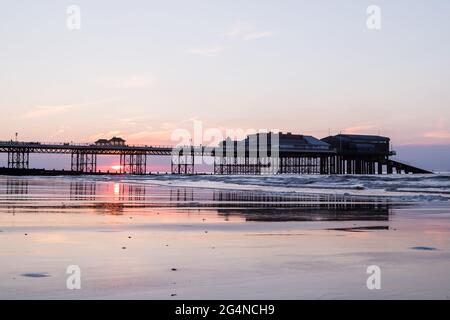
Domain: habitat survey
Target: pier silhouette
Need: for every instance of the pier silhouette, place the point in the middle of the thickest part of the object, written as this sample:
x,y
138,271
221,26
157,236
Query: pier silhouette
x,y
262,153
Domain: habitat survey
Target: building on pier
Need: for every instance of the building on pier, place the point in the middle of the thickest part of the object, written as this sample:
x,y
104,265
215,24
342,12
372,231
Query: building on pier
x,y
359,144
272,153
114,141
287,153
360,154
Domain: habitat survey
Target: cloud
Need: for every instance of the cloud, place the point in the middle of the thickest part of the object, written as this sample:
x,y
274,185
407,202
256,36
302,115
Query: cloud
x,y
358,129
440,131
241,31
136,82
246,31
43,111
126,82
236,31
128,121
258,35
105,135
148,137
51,110
210,51
161,135
144,137
439,134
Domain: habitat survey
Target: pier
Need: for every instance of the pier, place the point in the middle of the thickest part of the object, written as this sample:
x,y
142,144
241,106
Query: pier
x,y
262,153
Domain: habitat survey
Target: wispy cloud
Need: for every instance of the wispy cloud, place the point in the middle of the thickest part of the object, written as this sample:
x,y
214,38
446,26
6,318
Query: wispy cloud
x,y
235,31
128,121
209,51
241,31
246,31
358,129
439,134
105,135
52,110
43,111
160,135
258,35
126,82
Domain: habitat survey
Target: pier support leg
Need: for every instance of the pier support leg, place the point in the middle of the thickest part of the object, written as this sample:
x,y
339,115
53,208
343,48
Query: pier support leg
x,y
83,162
133,163
389,167
18,159
183,162
322,165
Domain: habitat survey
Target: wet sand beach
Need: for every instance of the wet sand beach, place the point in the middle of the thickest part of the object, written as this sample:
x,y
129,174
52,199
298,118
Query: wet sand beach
x,y
135,240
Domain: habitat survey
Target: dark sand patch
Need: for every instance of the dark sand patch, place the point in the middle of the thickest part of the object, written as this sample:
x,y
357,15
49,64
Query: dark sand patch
x,y
361,229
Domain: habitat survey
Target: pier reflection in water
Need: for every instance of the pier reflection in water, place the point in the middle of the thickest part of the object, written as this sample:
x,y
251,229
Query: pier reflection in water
x,y
119,198
14,186
266,207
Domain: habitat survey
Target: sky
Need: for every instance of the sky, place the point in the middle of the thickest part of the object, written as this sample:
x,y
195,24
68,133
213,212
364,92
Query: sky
x,y
145,69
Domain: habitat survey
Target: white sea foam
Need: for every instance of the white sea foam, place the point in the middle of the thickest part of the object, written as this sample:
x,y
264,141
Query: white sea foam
x,y
418,187
400,187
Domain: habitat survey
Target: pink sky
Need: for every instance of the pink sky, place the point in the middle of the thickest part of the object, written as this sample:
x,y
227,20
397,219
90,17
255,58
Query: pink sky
x,y
143,71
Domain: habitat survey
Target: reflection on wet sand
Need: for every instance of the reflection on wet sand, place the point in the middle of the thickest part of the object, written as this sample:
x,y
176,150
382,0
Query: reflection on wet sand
x,y
114,198
125,195
319,212
80,190
14,186
266,207
129,236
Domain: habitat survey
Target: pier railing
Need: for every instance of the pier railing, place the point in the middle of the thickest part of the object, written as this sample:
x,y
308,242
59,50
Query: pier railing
x,y
69,144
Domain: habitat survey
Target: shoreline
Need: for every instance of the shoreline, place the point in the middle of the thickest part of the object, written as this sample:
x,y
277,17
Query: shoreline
x,y
394,188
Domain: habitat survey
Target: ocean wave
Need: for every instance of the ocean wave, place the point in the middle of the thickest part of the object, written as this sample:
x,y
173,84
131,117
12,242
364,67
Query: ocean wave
x,y
398,187
402,188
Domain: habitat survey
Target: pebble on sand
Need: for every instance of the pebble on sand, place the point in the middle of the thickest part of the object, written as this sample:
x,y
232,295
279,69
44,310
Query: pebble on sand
x,y
35,275
174,269
423,248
